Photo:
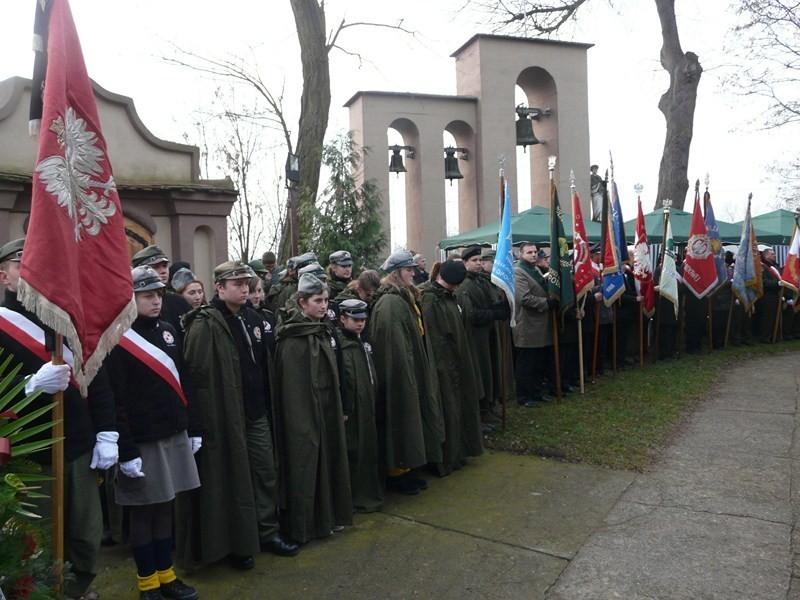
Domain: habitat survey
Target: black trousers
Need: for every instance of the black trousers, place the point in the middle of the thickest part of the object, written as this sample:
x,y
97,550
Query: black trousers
x,y
529,372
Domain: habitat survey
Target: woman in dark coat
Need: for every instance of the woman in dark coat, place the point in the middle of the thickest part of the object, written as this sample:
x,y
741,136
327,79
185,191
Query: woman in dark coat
x,y
316,481
410,426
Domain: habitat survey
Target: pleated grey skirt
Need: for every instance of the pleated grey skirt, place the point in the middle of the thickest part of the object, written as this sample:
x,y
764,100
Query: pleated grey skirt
x,y
169,468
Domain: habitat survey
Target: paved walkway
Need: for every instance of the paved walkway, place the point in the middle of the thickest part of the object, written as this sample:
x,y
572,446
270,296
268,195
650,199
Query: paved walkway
x,y
714,519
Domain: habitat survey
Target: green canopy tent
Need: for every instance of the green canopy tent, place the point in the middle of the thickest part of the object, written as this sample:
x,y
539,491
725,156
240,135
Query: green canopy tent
x,y
532,225
774,227
681,222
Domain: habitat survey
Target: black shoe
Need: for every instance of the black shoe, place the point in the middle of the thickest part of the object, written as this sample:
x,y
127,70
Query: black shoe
x,y
401,486
241,562
279,547
177,589
151,595
420,483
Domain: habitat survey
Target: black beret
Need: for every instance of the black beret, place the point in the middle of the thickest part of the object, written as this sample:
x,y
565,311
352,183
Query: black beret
x,y
453,272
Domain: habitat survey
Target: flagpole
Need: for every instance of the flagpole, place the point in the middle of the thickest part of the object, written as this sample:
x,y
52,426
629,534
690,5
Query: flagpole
x,y
614,305
551,160
57,491
666,204
502,324
573,189
603,235
638,189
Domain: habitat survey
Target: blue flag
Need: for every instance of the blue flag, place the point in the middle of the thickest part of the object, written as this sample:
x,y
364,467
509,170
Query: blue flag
x,y
503,269
747,282
716,242
613,278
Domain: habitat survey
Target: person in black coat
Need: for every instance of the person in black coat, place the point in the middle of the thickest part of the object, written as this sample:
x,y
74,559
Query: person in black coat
x,y
174,305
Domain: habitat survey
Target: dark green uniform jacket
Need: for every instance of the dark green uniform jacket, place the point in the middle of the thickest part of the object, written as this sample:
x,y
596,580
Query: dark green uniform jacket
x,y
219,518
456,374
362,434
280,292
316,480
408,405
336,286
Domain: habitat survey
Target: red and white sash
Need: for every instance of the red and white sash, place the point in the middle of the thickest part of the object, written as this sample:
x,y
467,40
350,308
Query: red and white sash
x,y
30,335
154,358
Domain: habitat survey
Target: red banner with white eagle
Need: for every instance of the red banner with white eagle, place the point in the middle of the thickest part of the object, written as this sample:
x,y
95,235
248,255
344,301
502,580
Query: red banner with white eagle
x,y
643,266
699,269
75,270
583,279
791,270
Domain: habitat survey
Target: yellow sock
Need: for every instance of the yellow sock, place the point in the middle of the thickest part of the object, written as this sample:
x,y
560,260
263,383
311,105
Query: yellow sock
x,y
148,583
397,472
166,576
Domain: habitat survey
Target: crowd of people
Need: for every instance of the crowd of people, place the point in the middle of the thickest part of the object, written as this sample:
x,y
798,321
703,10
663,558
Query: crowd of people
x,y
261,411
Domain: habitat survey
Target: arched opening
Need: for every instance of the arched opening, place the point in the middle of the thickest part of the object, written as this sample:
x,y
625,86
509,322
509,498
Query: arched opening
x,y
203,262
461,195
404,188
538,90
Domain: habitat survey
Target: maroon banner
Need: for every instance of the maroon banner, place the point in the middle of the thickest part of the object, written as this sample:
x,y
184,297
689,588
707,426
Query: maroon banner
x,y
699,269
75,270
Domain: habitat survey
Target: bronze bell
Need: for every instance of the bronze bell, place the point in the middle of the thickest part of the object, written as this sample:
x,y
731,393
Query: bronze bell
x,y
396,162
451,170
525,136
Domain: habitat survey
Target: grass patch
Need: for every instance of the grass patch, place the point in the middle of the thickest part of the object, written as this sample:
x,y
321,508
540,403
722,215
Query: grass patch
x,y
622,422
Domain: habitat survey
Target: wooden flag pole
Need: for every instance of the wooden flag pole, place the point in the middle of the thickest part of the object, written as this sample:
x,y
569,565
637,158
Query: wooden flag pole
x,y
596,339
580,344
555,341
710,328
730,314
57,491
502,324
777,316
614,337
641,334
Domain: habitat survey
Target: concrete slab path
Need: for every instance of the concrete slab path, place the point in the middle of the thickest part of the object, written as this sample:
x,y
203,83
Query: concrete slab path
x,y
714,519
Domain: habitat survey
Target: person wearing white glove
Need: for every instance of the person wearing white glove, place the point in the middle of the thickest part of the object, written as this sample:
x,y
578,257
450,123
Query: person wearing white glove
x,y
105,453
155,411
132,468
49,379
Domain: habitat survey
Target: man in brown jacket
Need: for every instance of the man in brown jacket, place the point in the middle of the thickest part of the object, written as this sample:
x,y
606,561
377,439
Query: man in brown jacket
x,y
533,335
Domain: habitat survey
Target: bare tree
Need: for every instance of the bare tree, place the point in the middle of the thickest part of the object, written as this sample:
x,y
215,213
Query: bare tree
x,y
677,104
767,43
316,43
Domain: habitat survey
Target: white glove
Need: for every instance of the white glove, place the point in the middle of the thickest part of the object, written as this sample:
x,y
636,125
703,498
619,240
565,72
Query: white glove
x,y
49,379
195,442
132,468
105,453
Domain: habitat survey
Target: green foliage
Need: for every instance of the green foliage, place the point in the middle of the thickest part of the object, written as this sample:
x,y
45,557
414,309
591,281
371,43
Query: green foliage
x,y
347,216
26,569
621,422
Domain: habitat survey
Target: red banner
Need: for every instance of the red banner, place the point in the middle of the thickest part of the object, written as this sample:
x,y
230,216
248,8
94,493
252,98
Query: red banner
x,y
643,266
583,279
75,270
699,270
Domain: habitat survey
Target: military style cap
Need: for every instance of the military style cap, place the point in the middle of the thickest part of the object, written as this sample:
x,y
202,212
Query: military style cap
x,y
310,284
453,272
353,308
182,278
145,279
233,269
470,252
401,258
542,254
315,269
298,262
594,248
258,267
489,255
12,250
152,255
341,257
763,247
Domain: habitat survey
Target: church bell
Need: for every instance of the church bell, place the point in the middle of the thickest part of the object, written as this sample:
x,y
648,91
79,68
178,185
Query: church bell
x,y
451,170
525,136
396,162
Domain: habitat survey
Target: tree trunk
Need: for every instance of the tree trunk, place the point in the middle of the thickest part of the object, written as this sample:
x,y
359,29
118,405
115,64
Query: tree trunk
x,y
309,17
677,104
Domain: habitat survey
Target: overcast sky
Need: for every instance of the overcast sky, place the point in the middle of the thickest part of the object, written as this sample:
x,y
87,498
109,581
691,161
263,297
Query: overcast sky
x,y
124,43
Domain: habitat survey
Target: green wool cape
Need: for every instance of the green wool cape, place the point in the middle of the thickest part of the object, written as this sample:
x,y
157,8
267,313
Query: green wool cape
x,y
408,393
482,294
457,383
360,429
315,474
218,518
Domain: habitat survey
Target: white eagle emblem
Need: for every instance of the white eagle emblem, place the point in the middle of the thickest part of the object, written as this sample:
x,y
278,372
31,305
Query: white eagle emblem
x,y
69,177
642,268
